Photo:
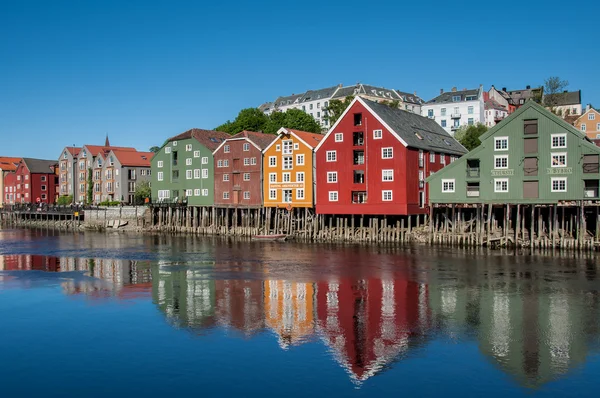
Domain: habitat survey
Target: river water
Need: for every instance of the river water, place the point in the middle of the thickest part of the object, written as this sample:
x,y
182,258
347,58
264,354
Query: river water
x,y
97,315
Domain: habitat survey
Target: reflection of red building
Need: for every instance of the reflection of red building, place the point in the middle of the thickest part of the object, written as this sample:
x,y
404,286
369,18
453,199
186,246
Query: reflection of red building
x,y
239,304
369,322
17,262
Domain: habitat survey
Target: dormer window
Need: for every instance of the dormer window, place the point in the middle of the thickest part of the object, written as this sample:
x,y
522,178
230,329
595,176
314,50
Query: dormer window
x,y
456,98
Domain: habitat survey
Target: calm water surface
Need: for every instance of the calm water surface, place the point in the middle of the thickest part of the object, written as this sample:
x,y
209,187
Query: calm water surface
x,y
97,315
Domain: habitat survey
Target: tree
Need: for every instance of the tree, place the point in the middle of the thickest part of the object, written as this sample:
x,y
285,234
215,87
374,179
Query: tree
x,y
554,89
468,136
392,104
64,200
251,119
154,149
336,108
142,191
90,187
292,119
226,127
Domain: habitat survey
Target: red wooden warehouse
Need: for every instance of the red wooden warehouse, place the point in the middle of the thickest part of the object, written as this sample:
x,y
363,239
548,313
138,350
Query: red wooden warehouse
x,y
238,170
374,160
35,181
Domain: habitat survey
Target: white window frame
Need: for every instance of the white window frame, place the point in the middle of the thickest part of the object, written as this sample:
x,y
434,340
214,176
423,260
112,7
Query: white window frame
x,y
189,192
278,148
246,147
385,150
253,161
386,192
298,157
286,177
448,185
288,165
272,161
159,164
246,175
226,149
296,146
188,161
219,163
160,176
226,177
204,173
205,160
226,163
168,149
553,154
300,193
583,127
499,139
558,137
387,175
332,177
377,134
333,196
196,174
197,155
272,194
226,195
174,143
432,157
189,174
205,192
339,137
188,147
592,116
272,177
246,161
558,179
496,158
331,156
246,195
197,192
299,176
288,147
500,181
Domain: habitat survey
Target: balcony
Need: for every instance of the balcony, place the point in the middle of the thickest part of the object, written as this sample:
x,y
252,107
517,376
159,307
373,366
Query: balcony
x,y
455,115
454,127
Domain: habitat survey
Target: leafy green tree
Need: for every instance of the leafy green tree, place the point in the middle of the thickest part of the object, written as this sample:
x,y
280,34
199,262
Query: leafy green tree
x,y
292,119
90,187
142,191
468,136
154,149
64,200
252,119
335,108
226,127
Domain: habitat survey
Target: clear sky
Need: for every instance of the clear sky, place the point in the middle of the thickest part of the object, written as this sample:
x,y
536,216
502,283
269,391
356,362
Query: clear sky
x,y
141,71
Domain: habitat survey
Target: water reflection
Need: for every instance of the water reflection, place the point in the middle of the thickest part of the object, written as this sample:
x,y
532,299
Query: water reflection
x,y
534,320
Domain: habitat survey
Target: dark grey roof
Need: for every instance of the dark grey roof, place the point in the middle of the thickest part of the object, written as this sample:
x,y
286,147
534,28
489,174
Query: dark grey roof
x,y
515,96
417,131
313,95
289,100
380,92
344,92
40,166
447,96
565,98
267,106
412,98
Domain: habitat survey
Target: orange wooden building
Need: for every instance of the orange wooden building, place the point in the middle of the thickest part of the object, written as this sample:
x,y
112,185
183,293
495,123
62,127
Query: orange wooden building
x,y
288,161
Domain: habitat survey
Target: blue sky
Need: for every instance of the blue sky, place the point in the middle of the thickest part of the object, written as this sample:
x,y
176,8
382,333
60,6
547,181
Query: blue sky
x,y
141,71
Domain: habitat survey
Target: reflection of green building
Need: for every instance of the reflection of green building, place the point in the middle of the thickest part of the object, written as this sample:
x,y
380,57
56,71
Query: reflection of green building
x,y
185,295
533,333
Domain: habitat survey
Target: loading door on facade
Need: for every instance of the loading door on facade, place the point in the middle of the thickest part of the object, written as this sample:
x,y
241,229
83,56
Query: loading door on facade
x,y
530,190
236,197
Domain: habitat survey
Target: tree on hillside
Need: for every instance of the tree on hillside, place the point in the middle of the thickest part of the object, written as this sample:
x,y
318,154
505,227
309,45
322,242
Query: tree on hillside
x,y
251,119
292,119
554,89
468,136
154,149
335,108
226,127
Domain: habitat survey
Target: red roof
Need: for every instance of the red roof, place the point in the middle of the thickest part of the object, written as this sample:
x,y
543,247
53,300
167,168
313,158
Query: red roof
x,y
133,159
95,150
311,139
209,138
262,140
9,164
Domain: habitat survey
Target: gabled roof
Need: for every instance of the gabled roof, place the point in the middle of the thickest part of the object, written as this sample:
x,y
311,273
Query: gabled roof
x,y
584,116
410,98
40,166
74,151
311,140
446,98
95,150
209,138
261,140
492,104
133,159
9,164
289,100
314,95
564,98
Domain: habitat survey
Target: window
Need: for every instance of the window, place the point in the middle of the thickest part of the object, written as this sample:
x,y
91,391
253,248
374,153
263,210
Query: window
x,y
204,173
188,162
226,163
225,177
246,195
300,176
432,157
500,184
226,149
196,173
225,195
43,179
448,186
299,193
331,156
386,196
501,161
387,153
442,158
583,127
559,184
530,126
300,160
430,113
444,123
219,163
278,148
246,161
252,161
272,177
559,159
332,176
159,176
598,127
470,110
205,160
273,194
470,121
43,187
246,176
310,107
197,155
189,192
387,175
287,163
174,143
188,174
339,137
272,161
333,196
196,192
501,143
285,177
296,146
559,140
205,192
188,147
246,147
377,134
443,112
168,149
591,116
358,119
455,98
287,147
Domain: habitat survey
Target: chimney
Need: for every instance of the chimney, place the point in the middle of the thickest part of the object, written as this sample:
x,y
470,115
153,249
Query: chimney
x,y
415,93
453,89
528,87
588,107
441,91
340,85
503,88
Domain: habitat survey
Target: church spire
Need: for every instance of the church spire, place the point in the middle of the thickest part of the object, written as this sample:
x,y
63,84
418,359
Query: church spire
x,y
107,142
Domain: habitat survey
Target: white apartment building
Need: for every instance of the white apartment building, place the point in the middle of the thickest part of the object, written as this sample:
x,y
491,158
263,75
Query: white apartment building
x,y
494,113
455,108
